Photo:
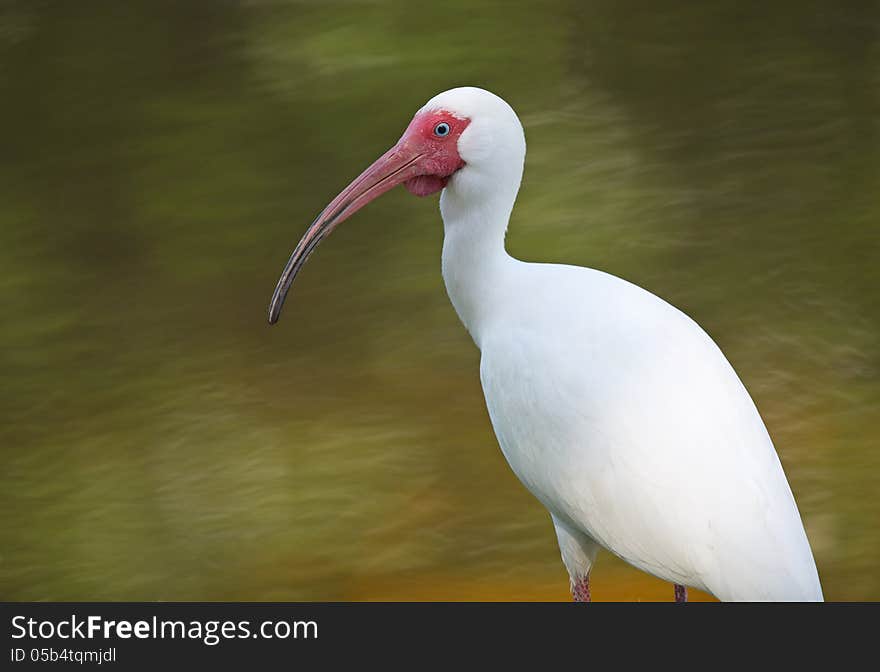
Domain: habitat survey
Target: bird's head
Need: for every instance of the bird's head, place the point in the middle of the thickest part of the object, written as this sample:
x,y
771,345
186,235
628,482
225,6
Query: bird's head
x,y
464,139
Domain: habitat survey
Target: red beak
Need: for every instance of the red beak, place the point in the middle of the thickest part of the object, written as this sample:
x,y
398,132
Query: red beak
x,y
398,164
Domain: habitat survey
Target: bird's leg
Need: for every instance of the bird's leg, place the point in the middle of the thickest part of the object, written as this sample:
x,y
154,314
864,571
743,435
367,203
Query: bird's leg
x,y
681,593
580,589
578,554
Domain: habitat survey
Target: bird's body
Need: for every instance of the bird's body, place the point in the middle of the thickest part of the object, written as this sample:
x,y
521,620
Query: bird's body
x,y
633,430
615,409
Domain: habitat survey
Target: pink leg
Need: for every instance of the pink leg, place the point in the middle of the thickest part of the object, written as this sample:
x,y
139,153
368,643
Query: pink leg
x,y
580,590
681,593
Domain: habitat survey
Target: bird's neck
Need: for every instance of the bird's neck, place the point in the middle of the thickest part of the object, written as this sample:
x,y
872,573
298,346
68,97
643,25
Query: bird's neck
x,y
477,270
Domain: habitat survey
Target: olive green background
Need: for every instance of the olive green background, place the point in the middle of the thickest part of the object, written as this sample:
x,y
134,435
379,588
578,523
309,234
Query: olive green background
x,y
159,160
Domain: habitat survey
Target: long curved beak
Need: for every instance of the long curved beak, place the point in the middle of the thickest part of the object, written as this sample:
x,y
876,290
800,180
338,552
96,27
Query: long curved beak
x,y
395,166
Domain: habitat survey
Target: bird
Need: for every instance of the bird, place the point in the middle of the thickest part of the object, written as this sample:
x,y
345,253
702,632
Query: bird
x,y
615,409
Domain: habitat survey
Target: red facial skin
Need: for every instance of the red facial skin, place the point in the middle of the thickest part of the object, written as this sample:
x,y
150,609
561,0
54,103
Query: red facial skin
x,y
440,158
422,160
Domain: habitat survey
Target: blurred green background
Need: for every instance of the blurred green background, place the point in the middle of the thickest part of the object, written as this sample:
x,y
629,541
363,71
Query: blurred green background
x,y
159,160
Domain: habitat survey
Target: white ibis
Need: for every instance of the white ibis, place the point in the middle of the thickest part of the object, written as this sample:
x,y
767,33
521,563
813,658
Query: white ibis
x,y
615,409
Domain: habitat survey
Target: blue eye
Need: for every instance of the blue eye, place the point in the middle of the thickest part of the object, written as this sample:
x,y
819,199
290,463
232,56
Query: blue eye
x,y
442,129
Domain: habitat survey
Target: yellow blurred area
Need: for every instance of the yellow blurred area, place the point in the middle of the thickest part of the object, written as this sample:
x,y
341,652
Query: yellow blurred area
x,y
630,588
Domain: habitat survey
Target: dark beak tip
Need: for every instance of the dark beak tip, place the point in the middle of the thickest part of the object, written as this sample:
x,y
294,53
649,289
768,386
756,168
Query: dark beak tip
x,y
274,314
